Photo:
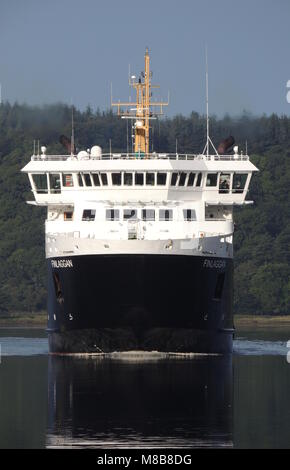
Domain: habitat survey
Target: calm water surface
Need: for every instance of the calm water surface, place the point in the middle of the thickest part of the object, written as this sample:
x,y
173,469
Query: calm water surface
x,y
145,400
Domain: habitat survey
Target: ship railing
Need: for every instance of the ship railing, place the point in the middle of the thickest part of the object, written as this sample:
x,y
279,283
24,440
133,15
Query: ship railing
x,y
136,156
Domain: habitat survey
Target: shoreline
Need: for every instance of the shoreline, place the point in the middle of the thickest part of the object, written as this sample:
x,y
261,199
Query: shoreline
x,y
31,320
261,321
39,320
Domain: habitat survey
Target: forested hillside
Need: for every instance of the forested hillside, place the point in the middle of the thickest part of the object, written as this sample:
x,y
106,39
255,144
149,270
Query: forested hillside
x,y
262,238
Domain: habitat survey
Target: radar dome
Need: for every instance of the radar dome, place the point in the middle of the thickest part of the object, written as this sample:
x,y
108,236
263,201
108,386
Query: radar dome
x,y
96,151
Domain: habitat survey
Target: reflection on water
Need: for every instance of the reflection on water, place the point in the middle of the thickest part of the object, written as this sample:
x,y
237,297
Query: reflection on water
x,y
136,400
142,403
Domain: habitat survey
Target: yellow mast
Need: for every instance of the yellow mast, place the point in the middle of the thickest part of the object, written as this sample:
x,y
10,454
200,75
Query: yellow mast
x,y
141,110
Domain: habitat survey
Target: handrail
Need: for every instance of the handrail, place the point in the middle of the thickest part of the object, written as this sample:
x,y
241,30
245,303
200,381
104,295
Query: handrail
x,y
151,156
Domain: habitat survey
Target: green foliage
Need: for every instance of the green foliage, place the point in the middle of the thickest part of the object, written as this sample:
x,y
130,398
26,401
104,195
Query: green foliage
x,y
262,238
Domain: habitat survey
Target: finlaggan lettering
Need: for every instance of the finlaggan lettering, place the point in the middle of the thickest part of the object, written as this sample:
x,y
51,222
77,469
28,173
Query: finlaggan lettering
x,y
214,263
61,263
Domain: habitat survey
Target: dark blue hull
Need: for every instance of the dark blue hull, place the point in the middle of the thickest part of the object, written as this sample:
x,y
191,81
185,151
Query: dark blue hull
x,y
104,303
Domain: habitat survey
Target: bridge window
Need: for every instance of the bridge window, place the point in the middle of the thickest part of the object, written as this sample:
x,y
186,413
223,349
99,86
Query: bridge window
x,y
165,215
148,214
104,179
96,179
87,179
130,214
81,183
161,179
190,181
239,182
139,179
182,178
225,181
116,179
68,215
112,214
150,179
40,183
67,180
199,179
174,179
128,179
89,215
189,214
211,179
54,182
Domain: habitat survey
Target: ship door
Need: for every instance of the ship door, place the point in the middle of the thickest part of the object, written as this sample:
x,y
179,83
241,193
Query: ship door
x,y
130,215
132,230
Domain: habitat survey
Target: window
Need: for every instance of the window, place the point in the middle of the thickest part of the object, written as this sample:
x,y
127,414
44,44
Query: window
x,y
54,182
165,215
96,179
174,179
161,179
80,180
89,215
225,180
148,214
213,212
189,214
112,214
190,181
67,180
104,179
199,179
139,179
239,182
150,179
211,179
130,214
68,215
87,178
128,179
116,179
182,178
40,183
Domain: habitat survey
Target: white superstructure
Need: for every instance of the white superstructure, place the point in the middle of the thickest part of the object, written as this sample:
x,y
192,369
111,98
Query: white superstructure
x,y
96,200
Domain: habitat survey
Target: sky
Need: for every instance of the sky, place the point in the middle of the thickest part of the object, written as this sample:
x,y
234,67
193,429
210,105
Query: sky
x,y
71,50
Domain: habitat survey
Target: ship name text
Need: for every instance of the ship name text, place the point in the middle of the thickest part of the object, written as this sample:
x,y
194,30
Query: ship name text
x,y
214,263
61,263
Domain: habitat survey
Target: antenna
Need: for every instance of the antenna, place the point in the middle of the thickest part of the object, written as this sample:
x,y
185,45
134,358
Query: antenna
x,y
127,136
207,119
72,147
208,139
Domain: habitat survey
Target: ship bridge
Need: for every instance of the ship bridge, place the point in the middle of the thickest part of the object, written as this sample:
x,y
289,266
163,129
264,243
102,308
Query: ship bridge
x,y
216,179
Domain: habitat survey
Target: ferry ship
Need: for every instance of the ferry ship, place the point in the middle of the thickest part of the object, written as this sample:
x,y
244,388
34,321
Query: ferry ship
x,y
139,245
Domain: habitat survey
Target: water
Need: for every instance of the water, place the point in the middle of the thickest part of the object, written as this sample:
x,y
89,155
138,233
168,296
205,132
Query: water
x,y
145,400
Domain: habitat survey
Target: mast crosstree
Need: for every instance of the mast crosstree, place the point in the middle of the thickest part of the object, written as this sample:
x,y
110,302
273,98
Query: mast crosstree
x,y
141,111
